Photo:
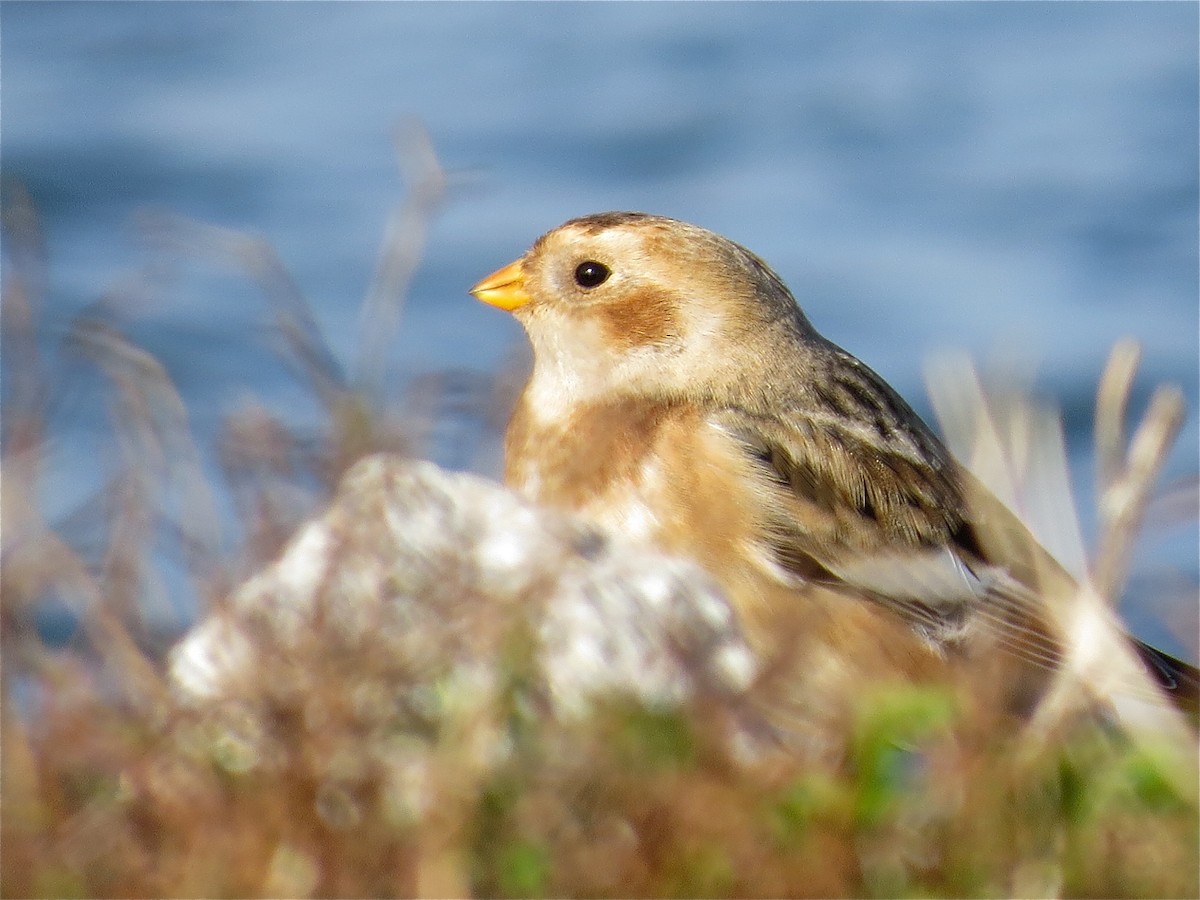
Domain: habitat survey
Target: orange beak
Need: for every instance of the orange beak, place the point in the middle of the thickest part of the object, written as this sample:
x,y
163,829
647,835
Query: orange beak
x,y
504,288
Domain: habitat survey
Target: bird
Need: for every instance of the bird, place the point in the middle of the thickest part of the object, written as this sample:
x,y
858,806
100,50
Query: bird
x,y
680,396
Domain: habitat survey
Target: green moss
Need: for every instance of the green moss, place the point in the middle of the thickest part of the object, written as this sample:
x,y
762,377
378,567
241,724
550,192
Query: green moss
x,y
700,872
523,870
654,739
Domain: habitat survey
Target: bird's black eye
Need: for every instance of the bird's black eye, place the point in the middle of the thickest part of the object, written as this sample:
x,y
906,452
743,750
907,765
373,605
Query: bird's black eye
x,y
591,274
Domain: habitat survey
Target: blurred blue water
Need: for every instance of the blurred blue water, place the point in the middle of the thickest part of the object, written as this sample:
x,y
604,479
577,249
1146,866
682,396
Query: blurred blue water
x,y
925,176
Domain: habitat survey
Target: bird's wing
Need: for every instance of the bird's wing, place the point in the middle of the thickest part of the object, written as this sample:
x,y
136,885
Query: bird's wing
x,y
849,513
840,494
886,527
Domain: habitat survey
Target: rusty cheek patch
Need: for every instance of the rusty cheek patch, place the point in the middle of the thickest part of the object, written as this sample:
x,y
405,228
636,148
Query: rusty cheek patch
x,y
645,316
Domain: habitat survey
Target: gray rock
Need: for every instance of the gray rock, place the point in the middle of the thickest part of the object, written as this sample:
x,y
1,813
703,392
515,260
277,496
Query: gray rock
x,y
437,574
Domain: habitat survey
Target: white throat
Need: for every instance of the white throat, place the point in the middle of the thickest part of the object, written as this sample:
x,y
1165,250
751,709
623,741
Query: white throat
x,y
575,364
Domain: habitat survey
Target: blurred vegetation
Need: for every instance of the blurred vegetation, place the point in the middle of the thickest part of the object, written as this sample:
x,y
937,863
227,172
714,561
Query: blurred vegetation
x,y
112,788
108,797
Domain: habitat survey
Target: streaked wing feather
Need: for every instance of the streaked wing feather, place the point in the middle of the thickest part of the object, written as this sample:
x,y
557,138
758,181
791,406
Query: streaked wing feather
x,y
890,530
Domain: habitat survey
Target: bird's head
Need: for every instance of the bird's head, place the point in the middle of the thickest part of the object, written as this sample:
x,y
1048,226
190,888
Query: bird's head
x,y
643,304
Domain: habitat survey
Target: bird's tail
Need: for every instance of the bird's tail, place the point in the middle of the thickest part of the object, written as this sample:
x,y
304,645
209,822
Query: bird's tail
x,y
1179,680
